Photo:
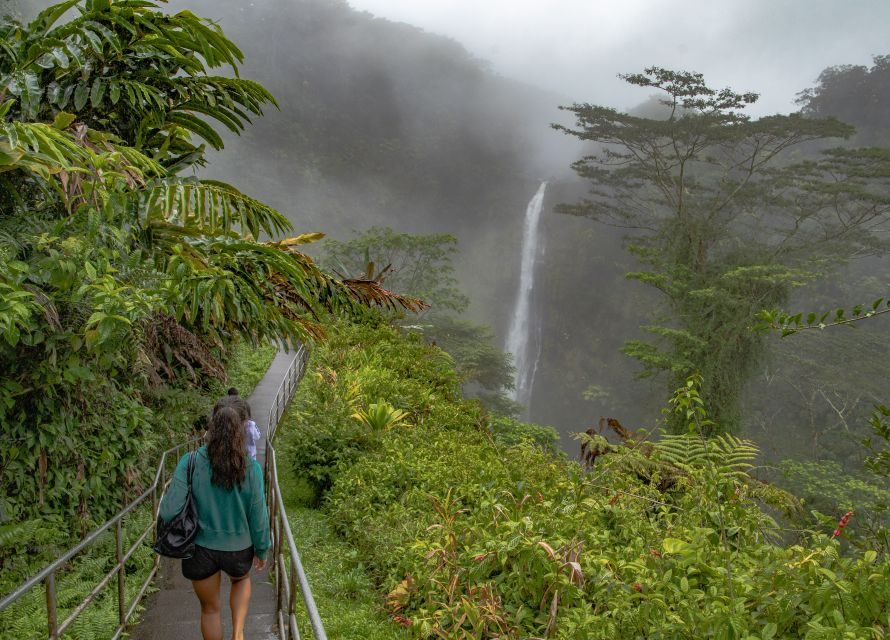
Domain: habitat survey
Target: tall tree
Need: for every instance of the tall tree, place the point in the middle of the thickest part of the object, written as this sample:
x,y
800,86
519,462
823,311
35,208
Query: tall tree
x,y
724,216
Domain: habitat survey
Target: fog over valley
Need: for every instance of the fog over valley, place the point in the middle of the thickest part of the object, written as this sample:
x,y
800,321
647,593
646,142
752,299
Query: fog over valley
x,y
435,117
575,48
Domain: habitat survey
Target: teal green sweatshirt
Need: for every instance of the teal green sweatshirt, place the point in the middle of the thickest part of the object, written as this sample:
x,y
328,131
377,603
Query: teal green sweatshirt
x,y
228,519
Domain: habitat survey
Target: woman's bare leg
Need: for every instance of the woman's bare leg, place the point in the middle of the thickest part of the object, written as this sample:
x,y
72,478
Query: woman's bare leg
x,y
239,601
207,591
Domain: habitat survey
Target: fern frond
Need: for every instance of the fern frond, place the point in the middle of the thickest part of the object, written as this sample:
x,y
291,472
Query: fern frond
x,y
727,453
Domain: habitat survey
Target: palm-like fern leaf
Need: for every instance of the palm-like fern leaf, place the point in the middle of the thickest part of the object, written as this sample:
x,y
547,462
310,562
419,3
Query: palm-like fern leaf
x,y
727,453
77,65
209,206
75,161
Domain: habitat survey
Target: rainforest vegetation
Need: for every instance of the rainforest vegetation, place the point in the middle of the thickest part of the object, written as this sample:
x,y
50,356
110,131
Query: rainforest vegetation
x,y
472,528
135,285
125,285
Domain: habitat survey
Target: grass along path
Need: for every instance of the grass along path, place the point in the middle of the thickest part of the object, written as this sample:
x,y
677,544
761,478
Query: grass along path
x,y
347,601
247,365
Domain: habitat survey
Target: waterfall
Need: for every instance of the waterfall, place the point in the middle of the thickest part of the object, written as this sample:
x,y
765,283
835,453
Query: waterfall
x,y
519,336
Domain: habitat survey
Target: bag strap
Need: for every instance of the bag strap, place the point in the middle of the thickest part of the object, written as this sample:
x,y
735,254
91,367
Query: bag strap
x,y
191,469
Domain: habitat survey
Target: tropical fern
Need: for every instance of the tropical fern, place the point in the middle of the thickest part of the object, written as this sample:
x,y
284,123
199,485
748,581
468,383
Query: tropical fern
x,y
729,455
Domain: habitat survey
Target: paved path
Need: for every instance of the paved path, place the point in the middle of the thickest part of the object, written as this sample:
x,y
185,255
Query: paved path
x,y
173,613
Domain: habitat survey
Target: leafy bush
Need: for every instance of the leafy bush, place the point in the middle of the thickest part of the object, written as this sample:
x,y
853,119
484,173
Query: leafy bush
x,y
85,451
510,432
355,367
346,598
475,531
827,488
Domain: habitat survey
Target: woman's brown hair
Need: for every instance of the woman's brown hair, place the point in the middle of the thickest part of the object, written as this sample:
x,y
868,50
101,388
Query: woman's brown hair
x,y
226,449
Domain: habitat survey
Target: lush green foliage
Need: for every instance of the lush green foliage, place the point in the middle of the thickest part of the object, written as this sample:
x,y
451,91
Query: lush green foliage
x,y
27,546
247,366
472,538
123,286
346,377
826,487
121,283
722,219
510,433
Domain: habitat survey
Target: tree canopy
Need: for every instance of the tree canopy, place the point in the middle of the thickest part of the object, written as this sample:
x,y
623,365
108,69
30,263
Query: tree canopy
x,y
726,215
853,93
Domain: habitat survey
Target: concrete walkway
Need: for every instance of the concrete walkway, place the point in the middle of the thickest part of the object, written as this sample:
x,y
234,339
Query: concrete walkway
x,y
173,613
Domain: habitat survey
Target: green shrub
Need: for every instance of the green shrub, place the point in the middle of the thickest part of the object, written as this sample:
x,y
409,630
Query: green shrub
x,y
826,488
355,367
510,432
475,529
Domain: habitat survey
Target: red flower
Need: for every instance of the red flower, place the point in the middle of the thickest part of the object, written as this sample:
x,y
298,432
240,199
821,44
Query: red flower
x,y
637,587
841,524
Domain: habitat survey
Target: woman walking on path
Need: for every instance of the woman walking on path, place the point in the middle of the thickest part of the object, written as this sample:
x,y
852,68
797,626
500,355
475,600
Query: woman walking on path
x,y
233,522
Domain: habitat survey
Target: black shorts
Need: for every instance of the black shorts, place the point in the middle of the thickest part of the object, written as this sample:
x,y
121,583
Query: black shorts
x,y
206,562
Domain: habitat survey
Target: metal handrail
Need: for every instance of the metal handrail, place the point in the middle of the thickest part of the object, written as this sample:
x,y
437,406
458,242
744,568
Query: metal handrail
x,y
288,583
281,532
47,575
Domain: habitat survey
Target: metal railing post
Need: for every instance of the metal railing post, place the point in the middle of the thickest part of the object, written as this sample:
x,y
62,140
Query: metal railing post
x,y
155,503
287,584
121,575
280,576
52,621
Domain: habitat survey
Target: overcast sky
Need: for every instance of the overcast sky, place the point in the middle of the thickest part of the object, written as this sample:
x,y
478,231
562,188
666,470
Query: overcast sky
x,y
575,47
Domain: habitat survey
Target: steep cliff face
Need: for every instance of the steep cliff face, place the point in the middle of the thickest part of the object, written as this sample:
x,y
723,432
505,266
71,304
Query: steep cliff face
x,y
384,124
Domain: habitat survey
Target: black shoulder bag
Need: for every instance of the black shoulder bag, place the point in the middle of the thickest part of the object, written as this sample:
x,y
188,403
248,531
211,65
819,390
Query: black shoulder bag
x,y
176,538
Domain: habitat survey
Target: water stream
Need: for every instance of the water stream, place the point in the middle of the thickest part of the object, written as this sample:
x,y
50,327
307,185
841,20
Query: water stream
x,y
519,338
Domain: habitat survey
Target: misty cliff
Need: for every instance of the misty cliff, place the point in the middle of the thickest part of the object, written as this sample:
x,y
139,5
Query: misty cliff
x,y
382,123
